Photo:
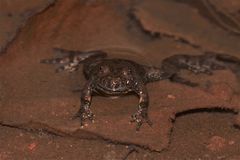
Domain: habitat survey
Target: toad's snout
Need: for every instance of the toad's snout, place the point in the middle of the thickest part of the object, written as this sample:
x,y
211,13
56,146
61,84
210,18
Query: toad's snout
x,y
115,82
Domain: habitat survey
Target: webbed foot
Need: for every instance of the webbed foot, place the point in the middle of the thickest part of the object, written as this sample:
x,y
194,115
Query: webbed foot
x,y
83,115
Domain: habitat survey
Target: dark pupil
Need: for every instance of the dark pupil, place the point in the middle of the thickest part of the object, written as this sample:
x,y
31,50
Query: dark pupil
x,y
104,69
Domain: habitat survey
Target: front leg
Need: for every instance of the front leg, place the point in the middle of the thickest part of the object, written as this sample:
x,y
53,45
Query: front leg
x,y
86,99
142,113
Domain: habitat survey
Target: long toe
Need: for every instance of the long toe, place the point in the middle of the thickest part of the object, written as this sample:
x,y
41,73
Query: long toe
x,y
91,116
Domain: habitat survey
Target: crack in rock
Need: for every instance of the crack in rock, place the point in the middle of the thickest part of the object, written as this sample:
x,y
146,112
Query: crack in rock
x,y
155,34
183,23
41,128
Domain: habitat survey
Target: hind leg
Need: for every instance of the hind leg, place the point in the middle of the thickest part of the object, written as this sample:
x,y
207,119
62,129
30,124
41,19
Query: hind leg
x,y
177,79
72,59
205,70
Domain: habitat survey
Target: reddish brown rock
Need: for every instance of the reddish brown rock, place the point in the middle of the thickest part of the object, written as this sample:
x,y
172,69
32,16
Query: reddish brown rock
x,y
216,143
14,14
186,24
32,95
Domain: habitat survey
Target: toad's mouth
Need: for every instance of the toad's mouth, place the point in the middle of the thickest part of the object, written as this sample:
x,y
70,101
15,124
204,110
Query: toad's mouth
x,y
111,88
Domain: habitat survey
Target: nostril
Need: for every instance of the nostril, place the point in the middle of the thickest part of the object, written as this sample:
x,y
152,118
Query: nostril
x,y
114,81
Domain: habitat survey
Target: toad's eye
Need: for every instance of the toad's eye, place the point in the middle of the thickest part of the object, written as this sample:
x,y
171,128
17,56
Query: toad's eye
x,y
126,72
104,69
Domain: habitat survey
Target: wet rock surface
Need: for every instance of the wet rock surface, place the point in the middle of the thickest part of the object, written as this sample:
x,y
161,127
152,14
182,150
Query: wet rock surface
x,y
37,105
14,14
189,26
